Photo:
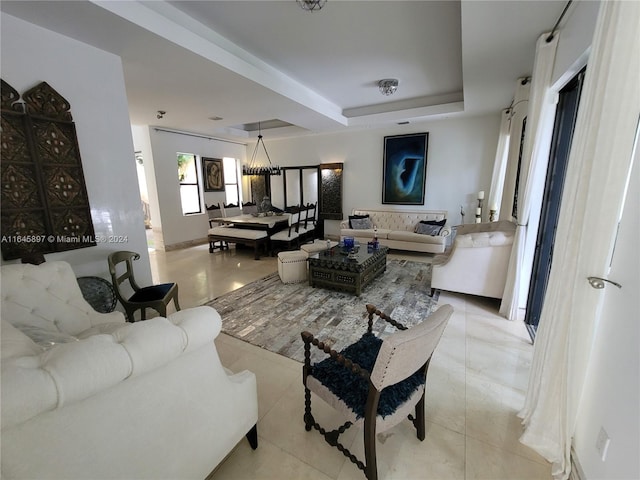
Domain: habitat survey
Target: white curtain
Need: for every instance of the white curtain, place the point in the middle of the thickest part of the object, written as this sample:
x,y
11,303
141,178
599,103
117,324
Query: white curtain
x,y
500,164
539,130
598,168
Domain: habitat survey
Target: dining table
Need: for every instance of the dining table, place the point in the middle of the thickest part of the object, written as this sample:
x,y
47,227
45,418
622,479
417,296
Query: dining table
x,y
270,223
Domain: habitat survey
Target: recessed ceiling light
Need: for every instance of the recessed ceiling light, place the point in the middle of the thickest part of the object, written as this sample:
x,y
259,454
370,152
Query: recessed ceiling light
x,y
406,122
215,118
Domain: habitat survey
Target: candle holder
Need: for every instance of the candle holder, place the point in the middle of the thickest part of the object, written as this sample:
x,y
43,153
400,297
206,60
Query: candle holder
x,y
492,215
461,215
479,209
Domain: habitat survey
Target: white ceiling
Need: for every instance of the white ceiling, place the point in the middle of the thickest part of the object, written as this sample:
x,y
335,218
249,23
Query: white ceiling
x,y
251,61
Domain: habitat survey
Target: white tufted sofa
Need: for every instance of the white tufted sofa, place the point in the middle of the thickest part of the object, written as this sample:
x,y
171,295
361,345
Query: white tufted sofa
x,y
478,262
395,230
97,397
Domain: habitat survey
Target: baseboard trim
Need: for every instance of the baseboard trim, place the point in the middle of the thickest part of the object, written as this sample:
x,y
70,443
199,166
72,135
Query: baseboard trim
x,y
187,244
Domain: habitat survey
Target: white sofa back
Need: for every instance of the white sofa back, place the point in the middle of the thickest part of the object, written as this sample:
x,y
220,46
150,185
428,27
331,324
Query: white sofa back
x,y
47,296
399,220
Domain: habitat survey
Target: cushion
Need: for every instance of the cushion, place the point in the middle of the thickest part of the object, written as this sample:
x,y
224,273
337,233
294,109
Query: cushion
x,y
361,223
352,389
426,229
152,293
46,337
356,217
440,223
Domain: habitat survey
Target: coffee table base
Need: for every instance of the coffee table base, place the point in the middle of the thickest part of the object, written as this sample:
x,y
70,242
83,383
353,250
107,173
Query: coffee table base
x,y
344,280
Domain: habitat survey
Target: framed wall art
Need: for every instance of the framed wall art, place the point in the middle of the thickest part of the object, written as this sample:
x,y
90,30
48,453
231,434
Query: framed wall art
x,y
404,169
213,174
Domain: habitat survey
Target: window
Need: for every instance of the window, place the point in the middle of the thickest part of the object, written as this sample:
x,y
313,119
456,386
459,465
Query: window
x,y
231,188
189,189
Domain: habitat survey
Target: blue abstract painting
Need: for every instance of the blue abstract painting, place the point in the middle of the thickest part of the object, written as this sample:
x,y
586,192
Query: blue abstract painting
x,y
404,169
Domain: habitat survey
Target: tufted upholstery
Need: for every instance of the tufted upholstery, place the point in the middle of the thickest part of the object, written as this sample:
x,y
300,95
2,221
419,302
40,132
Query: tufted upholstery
x,y
80,408
395,229
48,296
478,262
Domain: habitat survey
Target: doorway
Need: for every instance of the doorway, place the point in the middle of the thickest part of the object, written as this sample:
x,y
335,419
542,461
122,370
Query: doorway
x,y
564,126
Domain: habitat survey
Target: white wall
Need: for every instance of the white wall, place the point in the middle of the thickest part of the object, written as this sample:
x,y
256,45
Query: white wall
x,y
92,81
161,148
460,160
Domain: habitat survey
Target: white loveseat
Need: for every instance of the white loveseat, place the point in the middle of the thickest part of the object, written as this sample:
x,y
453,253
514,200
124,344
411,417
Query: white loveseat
x,y
110,399
478,262
395,230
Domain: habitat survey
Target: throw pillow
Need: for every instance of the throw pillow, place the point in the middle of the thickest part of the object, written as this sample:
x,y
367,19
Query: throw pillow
x,y
440,223
356,217
424,229
361,224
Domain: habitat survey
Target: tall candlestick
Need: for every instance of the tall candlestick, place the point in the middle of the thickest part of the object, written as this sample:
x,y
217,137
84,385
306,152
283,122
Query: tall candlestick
x,y
481,195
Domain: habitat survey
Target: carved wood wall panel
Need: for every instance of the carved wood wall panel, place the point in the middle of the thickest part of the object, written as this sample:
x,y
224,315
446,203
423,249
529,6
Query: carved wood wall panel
x,y
330,191
45,206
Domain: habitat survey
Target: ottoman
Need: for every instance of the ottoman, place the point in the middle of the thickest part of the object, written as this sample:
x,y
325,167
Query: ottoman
x,y
292,266
316,246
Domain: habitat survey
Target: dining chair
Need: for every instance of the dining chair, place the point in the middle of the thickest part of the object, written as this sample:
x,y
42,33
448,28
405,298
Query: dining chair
x,y
231,210
249,208
308,224
375,383
156,297
215,212
289,237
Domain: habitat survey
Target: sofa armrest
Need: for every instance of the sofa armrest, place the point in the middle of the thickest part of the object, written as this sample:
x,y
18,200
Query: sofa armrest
x,y
445,231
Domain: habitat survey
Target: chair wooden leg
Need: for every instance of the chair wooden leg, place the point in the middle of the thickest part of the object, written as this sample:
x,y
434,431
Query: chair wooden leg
x,y
419,420
370,467
370,415
175,300
252,436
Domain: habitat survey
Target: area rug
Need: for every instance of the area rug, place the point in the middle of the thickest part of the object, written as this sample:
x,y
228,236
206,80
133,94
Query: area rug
x,y
271,315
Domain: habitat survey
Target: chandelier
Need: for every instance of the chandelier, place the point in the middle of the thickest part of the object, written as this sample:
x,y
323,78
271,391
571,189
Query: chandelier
x,y
254,168
388,86
311,5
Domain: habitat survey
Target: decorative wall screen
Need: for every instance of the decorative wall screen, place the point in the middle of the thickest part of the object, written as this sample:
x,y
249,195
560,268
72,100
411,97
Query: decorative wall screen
x,y
45,207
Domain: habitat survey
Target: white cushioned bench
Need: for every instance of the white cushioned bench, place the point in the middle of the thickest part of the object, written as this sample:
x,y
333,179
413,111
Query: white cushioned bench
x,y
244,236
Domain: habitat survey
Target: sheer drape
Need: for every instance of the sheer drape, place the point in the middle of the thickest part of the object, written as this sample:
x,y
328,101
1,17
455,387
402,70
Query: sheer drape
x,y
500,164
594,189
535,157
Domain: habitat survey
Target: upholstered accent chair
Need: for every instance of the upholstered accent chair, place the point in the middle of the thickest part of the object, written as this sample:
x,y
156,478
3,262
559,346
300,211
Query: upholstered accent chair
x,y
373,382
156,297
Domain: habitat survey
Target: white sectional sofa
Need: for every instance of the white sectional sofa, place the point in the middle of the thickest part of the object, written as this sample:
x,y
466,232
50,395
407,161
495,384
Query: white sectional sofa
x,y
94,397
395,230
478,262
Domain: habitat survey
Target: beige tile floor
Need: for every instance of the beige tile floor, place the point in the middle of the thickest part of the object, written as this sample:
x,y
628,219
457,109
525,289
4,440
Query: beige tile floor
x,y
476,386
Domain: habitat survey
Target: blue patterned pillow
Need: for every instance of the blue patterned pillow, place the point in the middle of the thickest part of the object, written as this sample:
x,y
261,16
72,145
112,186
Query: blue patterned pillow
x,y
361,223
425,229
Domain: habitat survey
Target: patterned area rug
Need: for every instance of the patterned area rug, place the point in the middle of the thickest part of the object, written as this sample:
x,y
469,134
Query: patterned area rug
x,y
271,315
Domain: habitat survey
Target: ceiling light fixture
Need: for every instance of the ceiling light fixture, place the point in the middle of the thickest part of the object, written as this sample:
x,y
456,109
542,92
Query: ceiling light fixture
x,y
254,168
311,5
388,86
161,114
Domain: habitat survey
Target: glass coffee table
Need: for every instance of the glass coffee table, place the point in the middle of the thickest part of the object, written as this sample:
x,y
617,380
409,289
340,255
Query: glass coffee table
x,y
335,269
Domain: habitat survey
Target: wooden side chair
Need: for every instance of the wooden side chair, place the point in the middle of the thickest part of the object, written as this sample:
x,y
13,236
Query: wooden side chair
x,y
156,297
374,382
